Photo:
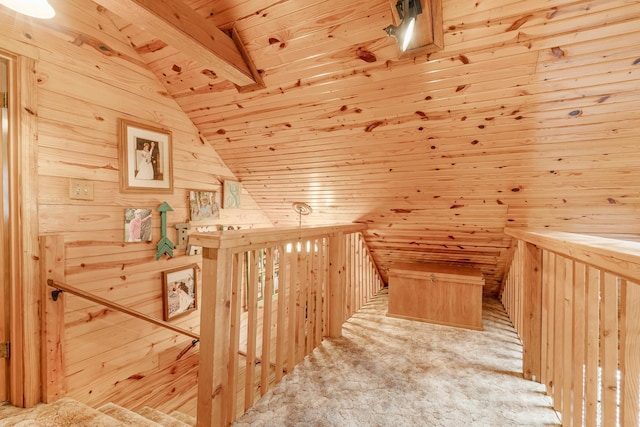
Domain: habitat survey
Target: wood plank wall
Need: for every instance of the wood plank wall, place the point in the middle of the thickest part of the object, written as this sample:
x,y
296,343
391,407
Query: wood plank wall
x,y
88,78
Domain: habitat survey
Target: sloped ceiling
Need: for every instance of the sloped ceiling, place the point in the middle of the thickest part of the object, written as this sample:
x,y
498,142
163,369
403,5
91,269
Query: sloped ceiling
x,y
527,118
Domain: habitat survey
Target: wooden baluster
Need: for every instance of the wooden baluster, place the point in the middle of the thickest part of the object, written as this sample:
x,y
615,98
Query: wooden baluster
x,y
546,312
234,347
283,290
532,327
567,344
350,305
630,349
325,302
609,347
301,305
267,299
310,312
592,324
293,297
558,378
319,268
579,337
336,284
252,330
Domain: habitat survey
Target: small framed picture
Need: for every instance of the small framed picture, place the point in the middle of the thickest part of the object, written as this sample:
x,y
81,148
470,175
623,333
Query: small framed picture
x,y
137,225
232,194
204,205
179,291
145,158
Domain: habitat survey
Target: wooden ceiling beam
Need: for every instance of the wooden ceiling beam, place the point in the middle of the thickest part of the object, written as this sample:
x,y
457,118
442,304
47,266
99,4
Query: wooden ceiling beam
x,y
178,25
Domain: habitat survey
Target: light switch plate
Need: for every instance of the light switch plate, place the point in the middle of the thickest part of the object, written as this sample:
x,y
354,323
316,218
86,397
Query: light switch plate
x,y
80,189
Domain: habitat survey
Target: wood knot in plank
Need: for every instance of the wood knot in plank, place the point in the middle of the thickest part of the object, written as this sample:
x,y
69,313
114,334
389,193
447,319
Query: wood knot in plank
x,y
373,125
365,55
136,377
154,46
519,23
557,52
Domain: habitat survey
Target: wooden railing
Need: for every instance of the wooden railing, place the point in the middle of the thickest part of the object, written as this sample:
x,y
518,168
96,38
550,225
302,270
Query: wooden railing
x,y
269,297
575,302
58,287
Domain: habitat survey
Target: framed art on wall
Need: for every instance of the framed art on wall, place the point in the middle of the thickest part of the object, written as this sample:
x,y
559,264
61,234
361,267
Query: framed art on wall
x,y
232,190
146,163
179,291
137,225
204,205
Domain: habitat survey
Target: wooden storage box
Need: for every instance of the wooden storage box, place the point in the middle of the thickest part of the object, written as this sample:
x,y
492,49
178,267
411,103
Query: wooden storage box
x,y
436,293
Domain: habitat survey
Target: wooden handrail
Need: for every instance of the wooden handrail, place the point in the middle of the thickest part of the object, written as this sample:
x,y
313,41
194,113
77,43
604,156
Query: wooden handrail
x,y
620,257
115,306
263,237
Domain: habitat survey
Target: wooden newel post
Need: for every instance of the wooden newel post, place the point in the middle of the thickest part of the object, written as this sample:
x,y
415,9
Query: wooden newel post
x,y
337,283
53,367
215,316
532,312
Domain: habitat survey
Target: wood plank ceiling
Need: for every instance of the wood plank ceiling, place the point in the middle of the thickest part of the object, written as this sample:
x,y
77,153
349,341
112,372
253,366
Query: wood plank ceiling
x,y
527,118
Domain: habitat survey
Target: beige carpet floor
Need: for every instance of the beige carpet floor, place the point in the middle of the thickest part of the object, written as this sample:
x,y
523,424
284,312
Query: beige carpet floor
x,y
391,372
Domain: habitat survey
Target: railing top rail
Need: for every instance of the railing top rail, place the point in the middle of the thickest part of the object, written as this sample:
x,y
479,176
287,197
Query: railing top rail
x,y
115,306
263,237
620,257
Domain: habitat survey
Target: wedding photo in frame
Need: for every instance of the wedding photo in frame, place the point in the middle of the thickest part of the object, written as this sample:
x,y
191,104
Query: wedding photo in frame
x,y
179,291
146,163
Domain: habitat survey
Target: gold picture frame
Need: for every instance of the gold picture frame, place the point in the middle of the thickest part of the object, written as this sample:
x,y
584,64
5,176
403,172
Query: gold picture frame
x,y
146,163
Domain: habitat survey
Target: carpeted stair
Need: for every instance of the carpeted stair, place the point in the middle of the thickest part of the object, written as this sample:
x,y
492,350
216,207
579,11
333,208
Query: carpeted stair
x,y
68,412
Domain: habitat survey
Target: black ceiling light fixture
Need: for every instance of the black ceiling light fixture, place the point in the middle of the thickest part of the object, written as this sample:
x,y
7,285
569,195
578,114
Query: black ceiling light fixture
x,y
408,11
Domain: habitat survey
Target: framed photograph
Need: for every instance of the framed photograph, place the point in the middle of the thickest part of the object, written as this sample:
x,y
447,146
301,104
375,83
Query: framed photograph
x,y
137,225
179,291
232,192
204,205
145,158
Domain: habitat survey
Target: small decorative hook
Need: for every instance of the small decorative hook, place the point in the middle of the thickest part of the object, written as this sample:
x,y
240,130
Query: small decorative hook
x,y
432,277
